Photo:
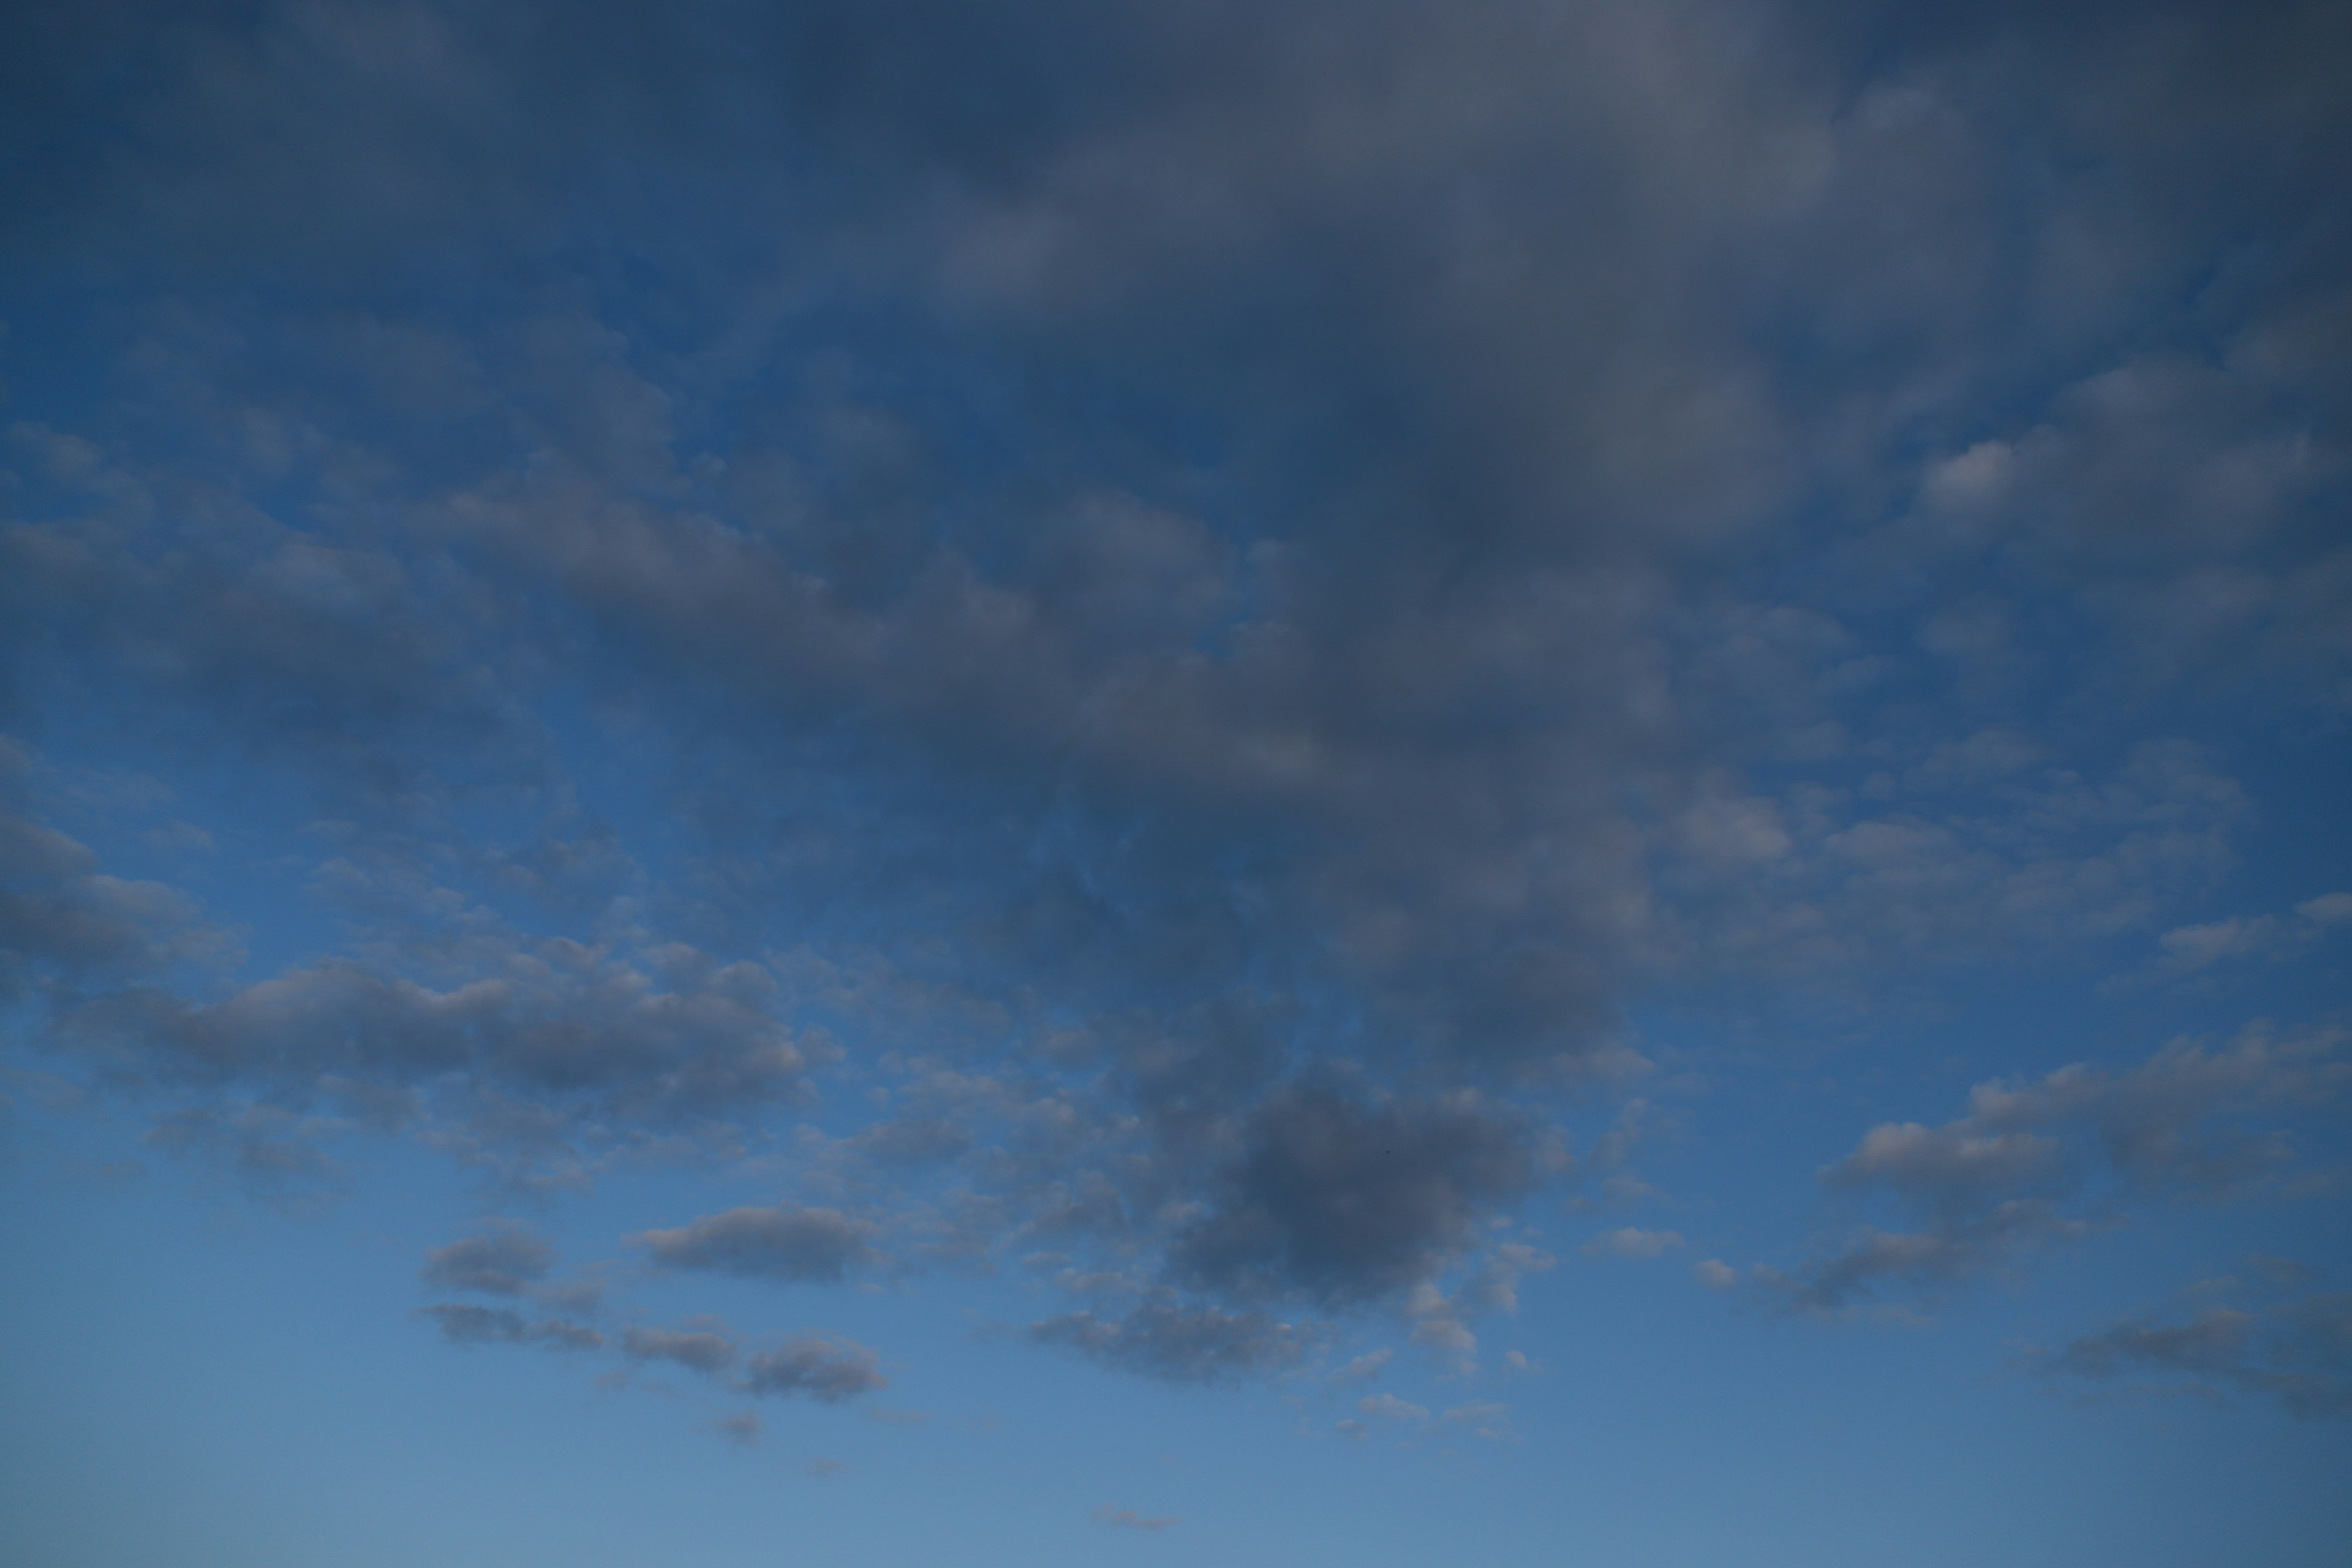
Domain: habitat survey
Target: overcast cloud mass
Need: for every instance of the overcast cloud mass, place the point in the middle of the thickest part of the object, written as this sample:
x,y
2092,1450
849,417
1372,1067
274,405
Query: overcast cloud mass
x,y
1417,741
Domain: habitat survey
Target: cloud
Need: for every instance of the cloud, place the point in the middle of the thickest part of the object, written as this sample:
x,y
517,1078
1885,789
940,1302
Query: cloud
x,y
1259,819
1628,1241
1177,1343
1995,1183
1485,1419
507,1261
1338,1200
741,1427
60,915
1388,1407
786,1242
472,1325
706,1350
1927,1263
2328,908
2297,1355
826,1370
1128,1519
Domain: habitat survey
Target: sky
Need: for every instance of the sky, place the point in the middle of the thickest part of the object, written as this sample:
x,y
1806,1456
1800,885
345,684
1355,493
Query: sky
x,y
1102,782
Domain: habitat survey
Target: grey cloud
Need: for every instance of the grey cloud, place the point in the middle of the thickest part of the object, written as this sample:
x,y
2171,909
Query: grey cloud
x,y
1338,1200
505,1261
275,1154
1996,1183
826,1370
2298,1355
785,1242
61,916
472,1325
706,1350
1922,1264
561,1022
1176,1342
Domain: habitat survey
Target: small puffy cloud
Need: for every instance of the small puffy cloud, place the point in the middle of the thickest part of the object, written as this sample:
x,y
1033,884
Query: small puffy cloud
x,y
505,1261
1715,1274
786,1242
1630,1241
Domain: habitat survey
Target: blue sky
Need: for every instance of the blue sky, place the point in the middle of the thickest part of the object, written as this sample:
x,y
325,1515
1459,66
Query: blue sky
x,y
1063,784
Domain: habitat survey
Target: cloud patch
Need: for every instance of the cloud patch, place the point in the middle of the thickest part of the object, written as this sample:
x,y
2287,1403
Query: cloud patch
x,y
785,1242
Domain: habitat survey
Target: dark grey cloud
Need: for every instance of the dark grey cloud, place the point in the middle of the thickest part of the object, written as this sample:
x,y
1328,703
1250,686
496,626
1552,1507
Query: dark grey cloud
x,y
1338,1200
783,1242
505,1261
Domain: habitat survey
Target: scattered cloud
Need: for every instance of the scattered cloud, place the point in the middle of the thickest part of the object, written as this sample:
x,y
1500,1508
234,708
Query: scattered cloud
x,y
2043,1161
